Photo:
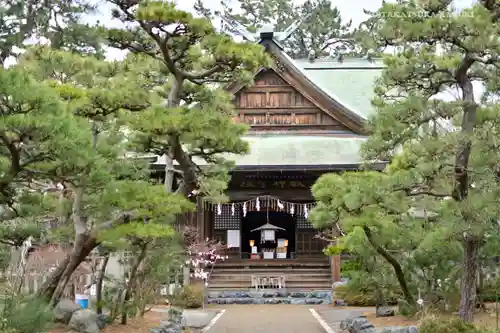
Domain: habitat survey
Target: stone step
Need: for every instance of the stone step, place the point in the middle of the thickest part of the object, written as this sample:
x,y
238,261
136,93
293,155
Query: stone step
x,y
269,297
301,270
288,278
273,263
301,274
236,288
325,293
309,258
274,300
246,285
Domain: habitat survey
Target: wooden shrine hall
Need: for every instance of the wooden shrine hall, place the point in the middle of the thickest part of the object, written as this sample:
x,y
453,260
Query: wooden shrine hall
x,y
306,118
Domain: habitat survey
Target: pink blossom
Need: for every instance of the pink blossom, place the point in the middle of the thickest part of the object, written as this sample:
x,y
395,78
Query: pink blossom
x,y
202,256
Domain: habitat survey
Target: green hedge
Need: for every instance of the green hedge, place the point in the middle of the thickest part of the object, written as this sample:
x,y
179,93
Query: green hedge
x,y
190,296
355,295
454,325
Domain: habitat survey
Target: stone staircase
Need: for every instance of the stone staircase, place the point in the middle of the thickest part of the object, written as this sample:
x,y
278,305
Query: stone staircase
x,y
276,296
307,281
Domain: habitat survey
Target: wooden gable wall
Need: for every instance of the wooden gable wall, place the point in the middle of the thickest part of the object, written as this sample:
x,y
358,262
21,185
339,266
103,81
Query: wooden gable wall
x,y
271,104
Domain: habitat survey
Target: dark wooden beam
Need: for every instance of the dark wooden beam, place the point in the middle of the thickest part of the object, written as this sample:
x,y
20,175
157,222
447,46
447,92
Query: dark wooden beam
x,y
298,195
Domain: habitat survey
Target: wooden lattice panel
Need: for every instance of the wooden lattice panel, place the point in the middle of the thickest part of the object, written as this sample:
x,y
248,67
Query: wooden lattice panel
x,y
303,223
226,220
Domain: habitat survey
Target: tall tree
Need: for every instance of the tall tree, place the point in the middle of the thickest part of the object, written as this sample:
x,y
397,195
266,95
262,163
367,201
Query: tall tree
x,y
94,93
33,122
142,235
322,31
188,63
58,21
447,149
107,97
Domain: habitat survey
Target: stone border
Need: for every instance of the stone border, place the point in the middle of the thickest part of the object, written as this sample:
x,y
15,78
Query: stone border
x,y
359,324
321,321
175,321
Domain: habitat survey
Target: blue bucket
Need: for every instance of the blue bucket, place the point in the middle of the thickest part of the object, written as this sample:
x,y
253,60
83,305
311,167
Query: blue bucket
x,y
82,300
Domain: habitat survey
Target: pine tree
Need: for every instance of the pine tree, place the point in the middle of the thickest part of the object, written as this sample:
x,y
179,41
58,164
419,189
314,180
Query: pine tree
x,y
33,123
104,188
322,29
189,62
57,21
444,151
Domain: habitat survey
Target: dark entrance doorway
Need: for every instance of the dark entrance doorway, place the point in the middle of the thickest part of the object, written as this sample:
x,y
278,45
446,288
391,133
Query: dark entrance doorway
x,y
257,219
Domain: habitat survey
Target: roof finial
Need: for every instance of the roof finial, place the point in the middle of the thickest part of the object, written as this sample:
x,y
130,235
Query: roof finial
x,y
266,32
281,36
239,29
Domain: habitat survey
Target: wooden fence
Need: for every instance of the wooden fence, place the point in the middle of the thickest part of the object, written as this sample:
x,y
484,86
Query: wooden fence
x,y
32,282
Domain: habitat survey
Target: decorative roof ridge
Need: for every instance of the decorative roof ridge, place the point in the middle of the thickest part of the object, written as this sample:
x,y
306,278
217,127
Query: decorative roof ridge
x,y
340,68
333,64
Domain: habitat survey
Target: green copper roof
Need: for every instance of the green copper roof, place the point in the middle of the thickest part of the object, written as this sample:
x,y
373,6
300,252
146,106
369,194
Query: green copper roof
x,y
280,149
350,82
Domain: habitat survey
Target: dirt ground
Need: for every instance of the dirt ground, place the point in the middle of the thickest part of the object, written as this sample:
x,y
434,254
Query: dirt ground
x,y
135,325
486,318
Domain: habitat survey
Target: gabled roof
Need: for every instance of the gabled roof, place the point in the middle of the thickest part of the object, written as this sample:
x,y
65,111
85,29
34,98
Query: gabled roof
x,y
342,89
347,84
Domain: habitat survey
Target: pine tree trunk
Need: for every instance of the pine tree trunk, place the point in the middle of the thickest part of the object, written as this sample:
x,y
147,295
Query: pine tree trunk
x,y
395,265
468,282
83,247
80,252
99,283
54,287
131,281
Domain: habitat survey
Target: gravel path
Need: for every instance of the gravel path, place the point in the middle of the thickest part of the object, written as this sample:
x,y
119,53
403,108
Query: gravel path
x,y
267,319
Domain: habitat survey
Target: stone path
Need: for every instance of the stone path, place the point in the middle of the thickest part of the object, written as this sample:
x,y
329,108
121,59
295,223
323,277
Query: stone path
x,y
267,319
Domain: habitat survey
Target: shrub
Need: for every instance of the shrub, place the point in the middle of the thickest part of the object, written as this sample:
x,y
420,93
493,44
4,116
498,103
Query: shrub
x,y
454,325
350,267
361,290
8,330
190,296
490,290
26,315
355,297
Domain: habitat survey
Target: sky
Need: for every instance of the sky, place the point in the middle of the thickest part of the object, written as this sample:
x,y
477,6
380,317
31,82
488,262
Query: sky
x,y
350,10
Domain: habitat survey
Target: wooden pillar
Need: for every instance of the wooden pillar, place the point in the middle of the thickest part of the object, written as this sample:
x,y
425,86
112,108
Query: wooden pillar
x,y
208,223
335,268
200,218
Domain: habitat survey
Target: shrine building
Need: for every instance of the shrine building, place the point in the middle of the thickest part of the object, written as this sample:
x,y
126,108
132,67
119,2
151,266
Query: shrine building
x,y
306,118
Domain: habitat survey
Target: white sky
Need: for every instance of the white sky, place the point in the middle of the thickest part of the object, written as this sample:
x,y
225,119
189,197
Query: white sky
x,y
348,9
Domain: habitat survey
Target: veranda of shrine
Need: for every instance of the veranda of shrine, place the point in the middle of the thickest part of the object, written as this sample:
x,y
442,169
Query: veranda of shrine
x,y
306,118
